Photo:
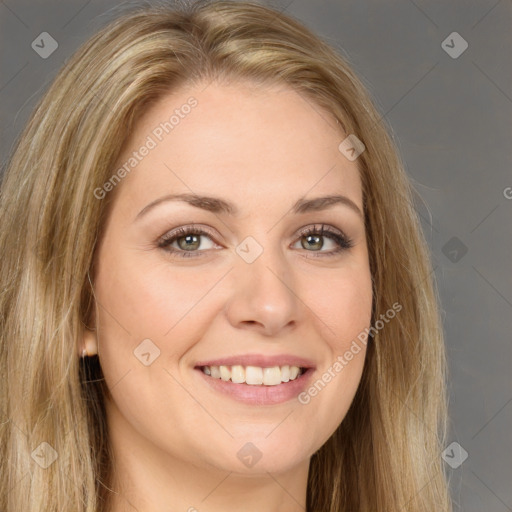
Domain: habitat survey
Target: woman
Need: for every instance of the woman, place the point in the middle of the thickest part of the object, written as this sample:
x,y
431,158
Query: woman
x,y
215,290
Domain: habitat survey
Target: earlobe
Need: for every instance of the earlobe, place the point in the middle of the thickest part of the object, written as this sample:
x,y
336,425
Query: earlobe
x,y
89,346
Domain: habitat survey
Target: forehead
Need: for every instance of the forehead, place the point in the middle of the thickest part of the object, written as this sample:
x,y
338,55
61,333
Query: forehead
x,y
240,140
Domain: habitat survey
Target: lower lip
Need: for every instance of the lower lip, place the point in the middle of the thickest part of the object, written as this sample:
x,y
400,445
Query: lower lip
x,y
260,395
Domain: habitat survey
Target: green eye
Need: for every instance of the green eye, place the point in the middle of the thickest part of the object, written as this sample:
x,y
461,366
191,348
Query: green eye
x,y
185,242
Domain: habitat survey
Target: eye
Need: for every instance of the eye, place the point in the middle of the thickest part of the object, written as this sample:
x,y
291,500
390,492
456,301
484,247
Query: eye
x,y
187,239
314,237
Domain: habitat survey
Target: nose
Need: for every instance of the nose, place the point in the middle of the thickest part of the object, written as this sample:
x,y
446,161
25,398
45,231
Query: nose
x,y
263,297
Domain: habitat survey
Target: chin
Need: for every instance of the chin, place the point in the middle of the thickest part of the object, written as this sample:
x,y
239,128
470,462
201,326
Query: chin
x,y
258,454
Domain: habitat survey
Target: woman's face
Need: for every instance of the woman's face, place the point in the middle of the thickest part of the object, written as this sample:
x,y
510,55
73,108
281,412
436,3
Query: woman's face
x,y
256,286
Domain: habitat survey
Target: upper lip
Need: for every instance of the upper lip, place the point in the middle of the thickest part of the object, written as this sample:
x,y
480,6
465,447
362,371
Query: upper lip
x,y
260,360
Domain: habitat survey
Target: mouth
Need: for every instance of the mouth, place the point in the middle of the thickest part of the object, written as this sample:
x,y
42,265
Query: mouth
x,y
254,375
257,380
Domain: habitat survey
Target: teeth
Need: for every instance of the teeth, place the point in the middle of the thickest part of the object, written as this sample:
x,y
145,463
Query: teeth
x,y
225,374
254,375
237,374
272,376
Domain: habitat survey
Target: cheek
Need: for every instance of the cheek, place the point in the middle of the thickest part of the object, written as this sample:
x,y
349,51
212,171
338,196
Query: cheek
x,y
344,308
138,302
145,301
344,303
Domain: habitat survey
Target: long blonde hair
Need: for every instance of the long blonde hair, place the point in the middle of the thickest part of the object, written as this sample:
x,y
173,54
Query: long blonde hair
x,y
385,455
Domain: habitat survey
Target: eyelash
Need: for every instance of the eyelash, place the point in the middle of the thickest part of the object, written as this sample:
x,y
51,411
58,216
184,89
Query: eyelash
x,y
343,242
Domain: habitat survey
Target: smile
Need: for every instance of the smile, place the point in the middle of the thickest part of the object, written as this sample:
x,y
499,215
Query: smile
x,y
254,375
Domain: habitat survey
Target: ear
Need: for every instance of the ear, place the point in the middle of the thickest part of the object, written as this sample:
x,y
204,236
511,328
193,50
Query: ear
x,y
89,345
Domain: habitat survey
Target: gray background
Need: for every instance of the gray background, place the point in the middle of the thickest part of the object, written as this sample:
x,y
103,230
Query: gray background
x,y
451,118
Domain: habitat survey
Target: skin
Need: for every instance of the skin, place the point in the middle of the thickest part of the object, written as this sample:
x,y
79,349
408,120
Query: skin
x,y
175,440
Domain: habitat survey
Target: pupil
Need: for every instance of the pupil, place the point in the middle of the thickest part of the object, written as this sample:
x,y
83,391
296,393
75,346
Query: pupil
x,y
314,240
190,240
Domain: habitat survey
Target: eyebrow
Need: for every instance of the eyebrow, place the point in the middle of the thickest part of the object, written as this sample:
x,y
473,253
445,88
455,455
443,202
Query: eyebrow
x,y
218,205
